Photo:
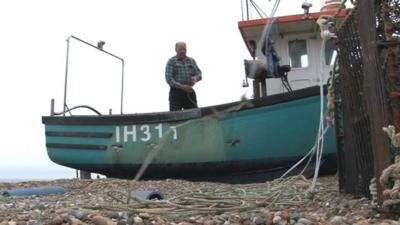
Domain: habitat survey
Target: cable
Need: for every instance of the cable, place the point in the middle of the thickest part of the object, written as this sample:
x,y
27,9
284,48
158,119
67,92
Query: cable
x,y
301,160
286,83
320,142
268,27
258,9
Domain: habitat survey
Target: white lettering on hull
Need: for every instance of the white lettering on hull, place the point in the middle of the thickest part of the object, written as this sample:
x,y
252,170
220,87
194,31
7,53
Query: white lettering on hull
x,y
131,133
143,133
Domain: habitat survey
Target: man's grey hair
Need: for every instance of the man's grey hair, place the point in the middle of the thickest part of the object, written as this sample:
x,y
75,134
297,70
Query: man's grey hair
x,y
179,43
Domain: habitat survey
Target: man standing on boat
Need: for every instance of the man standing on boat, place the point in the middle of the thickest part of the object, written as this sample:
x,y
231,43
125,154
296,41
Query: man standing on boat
x,y
181,74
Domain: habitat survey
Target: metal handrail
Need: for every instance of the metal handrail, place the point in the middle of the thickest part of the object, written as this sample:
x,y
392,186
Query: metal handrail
x,y
100,49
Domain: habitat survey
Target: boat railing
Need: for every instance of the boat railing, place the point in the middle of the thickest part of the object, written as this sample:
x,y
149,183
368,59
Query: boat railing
x,y
100,48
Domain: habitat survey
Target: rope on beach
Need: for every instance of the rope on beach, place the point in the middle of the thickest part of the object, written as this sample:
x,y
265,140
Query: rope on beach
x,y
155,148
390,177
282,192
288,192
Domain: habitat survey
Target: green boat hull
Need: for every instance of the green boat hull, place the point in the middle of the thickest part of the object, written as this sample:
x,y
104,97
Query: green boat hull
x,y
237,138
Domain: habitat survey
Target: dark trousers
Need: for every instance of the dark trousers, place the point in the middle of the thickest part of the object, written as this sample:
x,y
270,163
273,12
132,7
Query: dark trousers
x,y
179,99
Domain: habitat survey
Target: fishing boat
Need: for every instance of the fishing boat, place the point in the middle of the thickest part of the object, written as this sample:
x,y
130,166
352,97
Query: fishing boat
x,y
263,135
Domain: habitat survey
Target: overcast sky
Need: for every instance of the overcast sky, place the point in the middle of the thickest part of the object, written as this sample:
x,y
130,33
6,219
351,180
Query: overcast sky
x,y
143,33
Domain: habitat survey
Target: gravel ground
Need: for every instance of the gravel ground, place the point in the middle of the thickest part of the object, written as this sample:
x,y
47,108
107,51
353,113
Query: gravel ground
x,y
105,202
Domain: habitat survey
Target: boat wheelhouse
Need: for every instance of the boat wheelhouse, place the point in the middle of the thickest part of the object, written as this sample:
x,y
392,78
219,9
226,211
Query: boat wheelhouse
x,y
298,43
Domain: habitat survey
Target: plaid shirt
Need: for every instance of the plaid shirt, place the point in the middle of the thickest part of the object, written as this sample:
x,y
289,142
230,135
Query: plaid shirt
x,y
180,71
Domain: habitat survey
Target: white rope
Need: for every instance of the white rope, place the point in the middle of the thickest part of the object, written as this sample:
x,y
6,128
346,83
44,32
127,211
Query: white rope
x,y
301,160
322,129
320,136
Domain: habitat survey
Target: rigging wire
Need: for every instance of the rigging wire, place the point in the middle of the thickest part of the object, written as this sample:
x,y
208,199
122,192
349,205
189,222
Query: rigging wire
x,y
241,7
268,27
258,9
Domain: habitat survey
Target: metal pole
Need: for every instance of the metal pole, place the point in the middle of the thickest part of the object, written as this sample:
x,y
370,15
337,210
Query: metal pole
x,y
66,78
241,6
122,85
97,48
247,9
100,49
52,107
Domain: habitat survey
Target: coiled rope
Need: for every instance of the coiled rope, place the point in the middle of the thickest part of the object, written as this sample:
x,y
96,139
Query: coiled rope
x,y
390,177
289,192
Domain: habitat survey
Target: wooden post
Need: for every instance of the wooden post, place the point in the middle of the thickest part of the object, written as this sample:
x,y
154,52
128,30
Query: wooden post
x,y
374,90
84,174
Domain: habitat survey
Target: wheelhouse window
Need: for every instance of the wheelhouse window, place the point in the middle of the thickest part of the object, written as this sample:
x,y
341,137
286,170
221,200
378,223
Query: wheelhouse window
x,y
330,53
298,53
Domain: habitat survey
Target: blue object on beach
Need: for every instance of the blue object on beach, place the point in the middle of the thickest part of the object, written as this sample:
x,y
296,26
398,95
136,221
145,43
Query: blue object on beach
x,y
46,190
148,195
81,215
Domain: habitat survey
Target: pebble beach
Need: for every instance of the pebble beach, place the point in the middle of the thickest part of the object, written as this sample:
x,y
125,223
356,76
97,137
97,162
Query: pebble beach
x,y
108,202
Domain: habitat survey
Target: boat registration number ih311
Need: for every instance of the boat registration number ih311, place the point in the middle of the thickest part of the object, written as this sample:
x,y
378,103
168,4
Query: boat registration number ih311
x,y
143,133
